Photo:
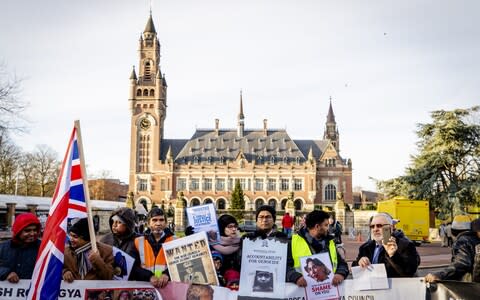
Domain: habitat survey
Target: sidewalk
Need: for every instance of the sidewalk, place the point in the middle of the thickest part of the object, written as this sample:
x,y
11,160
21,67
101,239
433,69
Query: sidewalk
x,y
431,254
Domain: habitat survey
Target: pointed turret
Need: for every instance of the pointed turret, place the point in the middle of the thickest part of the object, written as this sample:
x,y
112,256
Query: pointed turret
x,y
331,130
133,76
241,118
150,27
310,154
330,116
169,154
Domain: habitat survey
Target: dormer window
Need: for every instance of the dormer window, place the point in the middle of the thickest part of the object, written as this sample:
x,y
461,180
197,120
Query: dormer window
x,y
195,160
297,160
272,160
222,159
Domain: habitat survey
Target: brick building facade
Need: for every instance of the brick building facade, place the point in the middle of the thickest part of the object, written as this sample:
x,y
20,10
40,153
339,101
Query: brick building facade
x,y
269,164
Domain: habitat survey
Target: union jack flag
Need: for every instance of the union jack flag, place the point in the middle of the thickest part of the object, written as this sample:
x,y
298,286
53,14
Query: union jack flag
x,y
68,202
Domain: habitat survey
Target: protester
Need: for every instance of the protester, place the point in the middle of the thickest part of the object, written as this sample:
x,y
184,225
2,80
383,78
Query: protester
x,y
287,224
18,255
122,236
229,244
465,265
233,279
335,229
313,240
218,262
399,255
149,247
265,220
80,261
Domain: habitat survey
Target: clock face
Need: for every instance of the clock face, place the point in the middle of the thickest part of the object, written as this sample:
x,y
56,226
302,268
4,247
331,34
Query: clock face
x,y
145,124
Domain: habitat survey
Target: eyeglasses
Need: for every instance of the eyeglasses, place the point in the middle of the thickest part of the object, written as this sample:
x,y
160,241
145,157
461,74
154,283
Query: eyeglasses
x,y
377,225
265,217
232,226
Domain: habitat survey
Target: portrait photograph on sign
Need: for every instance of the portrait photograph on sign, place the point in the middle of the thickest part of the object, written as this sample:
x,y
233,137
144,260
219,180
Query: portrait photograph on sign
x,y
318,272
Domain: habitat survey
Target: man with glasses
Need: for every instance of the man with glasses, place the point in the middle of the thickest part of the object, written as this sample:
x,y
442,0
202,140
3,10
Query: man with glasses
x,y
265,218
399,254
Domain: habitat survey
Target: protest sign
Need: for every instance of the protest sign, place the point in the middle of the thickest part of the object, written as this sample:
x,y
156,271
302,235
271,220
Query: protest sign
x,y
318,272
122,264
204,218
264,264
189,260
373,277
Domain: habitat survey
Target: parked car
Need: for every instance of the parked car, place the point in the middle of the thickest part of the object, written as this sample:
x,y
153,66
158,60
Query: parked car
x,y
247,226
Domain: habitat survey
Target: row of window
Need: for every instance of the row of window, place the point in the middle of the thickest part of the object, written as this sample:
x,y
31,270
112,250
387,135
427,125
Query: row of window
x,y
258,160
259,184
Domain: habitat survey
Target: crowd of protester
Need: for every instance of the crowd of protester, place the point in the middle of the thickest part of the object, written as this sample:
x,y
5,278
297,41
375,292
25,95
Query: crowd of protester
x,y
318,232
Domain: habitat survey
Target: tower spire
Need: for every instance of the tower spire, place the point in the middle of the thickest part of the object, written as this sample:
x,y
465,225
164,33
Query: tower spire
x,y
331,130
241,118
150,27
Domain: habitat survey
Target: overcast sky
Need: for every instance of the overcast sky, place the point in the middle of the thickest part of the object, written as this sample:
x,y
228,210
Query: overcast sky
x,y
386,65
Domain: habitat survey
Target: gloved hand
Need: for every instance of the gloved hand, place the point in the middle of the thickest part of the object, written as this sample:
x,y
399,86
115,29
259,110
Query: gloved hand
x,y
189,230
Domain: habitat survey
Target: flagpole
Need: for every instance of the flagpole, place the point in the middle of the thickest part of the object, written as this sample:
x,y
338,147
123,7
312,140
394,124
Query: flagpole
x,y
86,192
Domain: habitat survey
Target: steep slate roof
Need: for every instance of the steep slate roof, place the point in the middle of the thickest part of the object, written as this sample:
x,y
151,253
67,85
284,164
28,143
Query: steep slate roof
x,y
318,147
176,145
206,144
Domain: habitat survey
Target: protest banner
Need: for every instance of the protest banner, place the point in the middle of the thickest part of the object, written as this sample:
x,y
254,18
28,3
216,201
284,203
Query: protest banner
x,y
318,272
400,289
264,264
122,264
86,289
373,277
189,260
204,218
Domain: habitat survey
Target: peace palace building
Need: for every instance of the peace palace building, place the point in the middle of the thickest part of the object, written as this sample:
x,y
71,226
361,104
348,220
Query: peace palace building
x,y
268,163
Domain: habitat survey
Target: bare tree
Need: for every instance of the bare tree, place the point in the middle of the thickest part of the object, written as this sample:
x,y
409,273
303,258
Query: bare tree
x,y
9,157
27,173
46,169
11,106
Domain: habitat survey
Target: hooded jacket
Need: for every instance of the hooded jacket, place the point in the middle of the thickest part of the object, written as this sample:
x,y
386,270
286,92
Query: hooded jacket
x,y
463,264
16,256
126,242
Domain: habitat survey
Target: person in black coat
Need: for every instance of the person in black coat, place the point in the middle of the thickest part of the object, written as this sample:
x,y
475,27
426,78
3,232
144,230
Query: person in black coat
x,y
399,255
122,225
18,255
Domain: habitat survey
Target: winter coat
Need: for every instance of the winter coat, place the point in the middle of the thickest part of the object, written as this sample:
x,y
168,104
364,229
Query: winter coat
x,y
403,263
293,275
101,270
126,243
467,247
18,258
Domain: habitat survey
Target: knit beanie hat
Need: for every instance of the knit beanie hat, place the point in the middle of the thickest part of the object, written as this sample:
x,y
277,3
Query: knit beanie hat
x,y
23,220
461,222
217,255
268,208
224,221
80,228
232,276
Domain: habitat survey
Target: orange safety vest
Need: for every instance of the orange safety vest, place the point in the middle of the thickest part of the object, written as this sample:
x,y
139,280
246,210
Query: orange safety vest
x,y
156,264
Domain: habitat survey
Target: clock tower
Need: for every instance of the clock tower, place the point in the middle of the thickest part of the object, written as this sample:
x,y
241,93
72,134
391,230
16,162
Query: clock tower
x,y
148,102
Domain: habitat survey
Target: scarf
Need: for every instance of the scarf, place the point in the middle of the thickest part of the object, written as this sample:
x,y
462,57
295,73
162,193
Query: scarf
x,y
83,264
228,245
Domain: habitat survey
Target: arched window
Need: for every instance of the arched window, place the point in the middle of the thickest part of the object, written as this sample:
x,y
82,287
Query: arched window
x,y
208,200
152,92
283,203
195,202
298,204
297,160
330,192
222,160
195,160
272,160
258,203
221,204
145,92
272,203
148,72
139,92
144,203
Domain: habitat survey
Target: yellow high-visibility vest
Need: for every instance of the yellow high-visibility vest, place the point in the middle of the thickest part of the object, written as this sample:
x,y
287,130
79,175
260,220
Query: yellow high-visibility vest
x,y
300,248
